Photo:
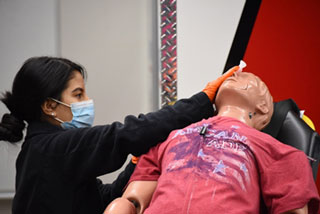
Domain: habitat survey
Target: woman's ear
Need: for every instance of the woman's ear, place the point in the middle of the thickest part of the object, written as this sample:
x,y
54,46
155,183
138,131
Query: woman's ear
x,y
48,107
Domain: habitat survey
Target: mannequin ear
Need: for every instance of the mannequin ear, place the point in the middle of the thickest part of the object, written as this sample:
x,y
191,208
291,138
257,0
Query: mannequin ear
x,y
262,107
263,116
48,107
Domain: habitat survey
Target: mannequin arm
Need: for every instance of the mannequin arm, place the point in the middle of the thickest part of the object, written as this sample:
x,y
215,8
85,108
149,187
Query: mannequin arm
x,y
135,199
120,206
140,193
303,210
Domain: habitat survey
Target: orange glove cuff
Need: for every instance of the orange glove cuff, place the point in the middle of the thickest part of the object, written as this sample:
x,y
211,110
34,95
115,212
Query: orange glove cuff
x,y
134,159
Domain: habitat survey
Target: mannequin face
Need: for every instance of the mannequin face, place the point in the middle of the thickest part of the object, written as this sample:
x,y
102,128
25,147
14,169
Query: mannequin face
x,y
244,94
241,89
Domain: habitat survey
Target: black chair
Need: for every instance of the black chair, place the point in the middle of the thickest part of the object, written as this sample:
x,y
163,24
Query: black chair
x,y
287,127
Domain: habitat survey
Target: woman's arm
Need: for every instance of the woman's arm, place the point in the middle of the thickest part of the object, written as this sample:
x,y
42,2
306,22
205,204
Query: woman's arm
x,y
91,152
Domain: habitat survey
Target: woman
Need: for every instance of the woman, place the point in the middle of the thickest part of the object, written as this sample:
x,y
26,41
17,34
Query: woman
x,y
62,155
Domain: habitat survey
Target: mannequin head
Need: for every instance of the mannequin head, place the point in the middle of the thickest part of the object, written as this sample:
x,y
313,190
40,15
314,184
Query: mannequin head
x,y
246,97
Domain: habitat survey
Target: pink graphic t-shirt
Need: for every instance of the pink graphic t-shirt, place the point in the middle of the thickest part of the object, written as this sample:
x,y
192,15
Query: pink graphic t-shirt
x,y
232,168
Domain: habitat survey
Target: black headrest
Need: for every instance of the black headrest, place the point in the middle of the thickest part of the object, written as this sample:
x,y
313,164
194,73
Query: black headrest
x,y
280,112
287,127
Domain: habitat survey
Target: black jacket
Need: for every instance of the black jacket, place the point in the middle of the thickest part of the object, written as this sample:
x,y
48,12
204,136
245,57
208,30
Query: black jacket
x,y
57,168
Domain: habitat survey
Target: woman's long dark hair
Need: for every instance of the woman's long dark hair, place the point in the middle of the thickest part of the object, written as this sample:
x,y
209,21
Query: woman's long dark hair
x,y
38,79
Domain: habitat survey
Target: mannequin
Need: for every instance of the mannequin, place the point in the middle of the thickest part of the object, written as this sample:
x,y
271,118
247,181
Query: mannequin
x,y
245,97
223,164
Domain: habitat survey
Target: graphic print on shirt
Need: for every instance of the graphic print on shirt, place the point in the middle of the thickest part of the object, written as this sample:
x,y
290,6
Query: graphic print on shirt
x,y
222,154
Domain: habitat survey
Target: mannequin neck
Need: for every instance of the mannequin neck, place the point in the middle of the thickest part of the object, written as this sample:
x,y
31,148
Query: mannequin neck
x,y
241,114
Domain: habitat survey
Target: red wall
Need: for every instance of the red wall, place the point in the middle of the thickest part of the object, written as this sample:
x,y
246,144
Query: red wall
x,y
284,50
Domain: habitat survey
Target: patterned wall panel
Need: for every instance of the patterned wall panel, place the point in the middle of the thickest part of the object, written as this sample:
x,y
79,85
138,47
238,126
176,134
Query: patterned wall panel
x,y
168,51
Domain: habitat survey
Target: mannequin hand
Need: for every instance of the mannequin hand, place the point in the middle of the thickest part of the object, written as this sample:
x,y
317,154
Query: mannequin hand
x,y
213,86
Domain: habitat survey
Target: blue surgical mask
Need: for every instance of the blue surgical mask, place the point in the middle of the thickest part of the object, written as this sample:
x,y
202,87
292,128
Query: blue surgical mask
x,y
83,114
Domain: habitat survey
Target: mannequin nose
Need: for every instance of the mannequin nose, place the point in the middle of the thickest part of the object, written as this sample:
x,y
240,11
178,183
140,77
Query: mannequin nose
x,y
235,74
